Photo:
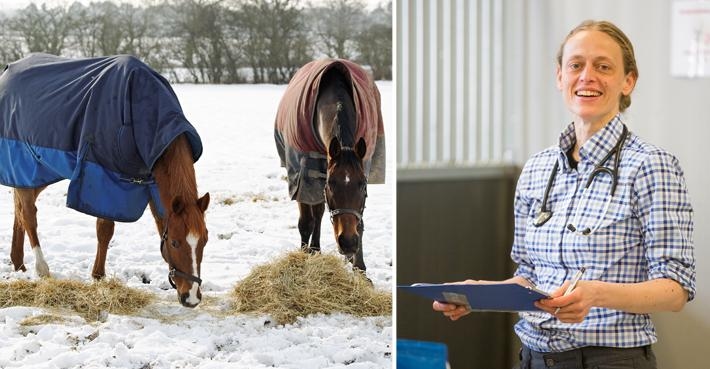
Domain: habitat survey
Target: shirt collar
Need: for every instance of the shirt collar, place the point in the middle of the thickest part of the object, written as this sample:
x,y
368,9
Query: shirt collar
x,y
597,147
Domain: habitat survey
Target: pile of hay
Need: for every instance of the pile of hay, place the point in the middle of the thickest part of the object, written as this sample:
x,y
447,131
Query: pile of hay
x,y
300,284
91,300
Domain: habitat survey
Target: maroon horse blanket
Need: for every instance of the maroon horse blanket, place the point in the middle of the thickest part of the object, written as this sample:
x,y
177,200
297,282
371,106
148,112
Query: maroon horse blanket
x,y
300,148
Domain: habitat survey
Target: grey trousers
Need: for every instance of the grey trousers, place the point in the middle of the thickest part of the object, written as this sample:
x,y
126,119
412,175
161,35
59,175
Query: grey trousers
x,y
589,358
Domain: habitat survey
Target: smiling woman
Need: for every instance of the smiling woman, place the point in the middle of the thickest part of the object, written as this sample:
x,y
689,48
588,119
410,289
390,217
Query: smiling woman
x,y
596,72
633,236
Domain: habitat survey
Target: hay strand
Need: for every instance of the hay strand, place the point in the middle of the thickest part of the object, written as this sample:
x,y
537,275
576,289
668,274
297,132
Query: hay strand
x,y
43,319
300,284
90,300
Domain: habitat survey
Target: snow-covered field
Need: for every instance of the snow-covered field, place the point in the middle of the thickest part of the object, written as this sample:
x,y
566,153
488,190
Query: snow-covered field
x,y
255,225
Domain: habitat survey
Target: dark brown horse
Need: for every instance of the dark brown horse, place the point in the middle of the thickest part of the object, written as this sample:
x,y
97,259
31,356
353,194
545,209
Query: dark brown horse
x,y
346,183
121,100
326,128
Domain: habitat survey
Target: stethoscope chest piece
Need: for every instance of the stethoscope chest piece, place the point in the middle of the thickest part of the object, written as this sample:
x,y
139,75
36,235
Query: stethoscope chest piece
x,y
542,218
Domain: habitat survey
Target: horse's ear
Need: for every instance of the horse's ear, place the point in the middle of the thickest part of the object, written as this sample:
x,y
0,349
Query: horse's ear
x,y
177,205
203,201
361,148
334,147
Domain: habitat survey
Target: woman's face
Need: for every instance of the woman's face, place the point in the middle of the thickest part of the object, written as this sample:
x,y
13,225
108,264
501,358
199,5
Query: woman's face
x,y
592,77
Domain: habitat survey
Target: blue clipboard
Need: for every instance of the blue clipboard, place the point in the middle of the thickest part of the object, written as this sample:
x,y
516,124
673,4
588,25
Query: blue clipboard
x,y
510,297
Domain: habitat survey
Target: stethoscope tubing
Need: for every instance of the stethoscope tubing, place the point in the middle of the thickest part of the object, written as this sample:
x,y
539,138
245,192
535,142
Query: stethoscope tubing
x,y
545,214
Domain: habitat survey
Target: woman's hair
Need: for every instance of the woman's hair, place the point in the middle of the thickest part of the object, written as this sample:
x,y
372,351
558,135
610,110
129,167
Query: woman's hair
x,y
627,50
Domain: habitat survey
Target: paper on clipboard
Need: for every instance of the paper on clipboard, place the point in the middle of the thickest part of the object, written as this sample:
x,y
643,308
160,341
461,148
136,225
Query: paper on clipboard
x,y
690,39
509,297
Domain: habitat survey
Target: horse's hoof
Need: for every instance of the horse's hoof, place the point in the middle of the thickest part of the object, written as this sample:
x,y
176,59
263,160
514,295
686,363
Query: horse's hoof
x,y
40,264
42,271
309,249
362,273
21,268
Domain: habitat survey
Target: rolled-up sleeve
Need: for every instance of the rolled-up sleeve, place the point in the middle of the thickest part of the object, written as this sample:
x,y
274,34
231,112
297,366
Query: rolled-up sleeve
x,y
666,215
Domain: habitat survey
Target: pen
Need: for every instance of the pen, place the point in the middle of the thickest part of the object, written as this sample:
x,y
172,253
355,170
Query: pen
x,y
572,285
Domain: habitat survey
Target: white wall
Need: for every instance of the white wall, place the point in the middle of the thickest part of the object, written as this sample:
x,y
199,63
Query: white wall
x,y
670,112
449,85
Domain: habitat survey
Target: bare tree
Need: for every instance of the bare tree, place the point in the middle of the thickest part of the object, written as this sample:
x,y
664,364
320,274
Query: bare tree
x,y
43,29
99,33
199,24
374,43
11,43
337,24
139,29
276,41
207,41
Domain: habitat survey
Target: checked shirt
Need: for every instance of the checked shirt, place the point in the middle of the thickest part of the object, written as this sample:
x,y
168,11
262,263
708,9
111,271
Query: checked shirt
x,y
645,233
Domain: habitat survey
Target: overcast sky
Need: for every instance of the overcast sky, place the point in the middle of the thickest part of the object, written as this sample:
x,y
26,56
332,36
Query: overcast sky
x,y
18,4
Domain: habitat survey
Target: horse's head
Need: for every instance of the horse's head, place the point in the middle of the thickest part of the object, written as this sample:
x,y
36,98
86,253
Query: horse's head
x,y
345,193
184,238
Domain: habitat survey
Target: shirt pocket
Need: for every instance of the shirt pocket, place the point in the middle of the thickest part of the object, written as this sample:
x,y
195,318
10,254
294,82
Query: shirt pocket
x,y
539,240
617,231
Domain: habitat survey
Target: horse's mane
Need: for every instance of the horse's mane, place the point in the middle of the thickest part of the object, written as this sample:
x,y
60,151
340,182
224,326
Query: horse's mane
x,y
175,174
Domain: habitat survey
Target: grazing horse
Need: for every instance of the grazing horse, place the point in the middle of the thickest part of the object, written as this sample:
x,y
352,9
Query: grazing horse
x,y
115,129
333,102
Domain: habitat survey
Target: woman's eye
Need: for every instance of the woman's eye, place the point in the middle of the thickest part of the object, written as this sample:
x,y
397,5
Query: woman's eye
x,y
575,66
604,67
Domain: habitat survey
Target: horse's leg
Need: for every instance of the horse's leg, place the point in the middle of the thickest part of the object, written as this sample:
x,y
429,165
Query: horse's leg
x,y
359,261
17,253
25,206
104,233
305,224
317,217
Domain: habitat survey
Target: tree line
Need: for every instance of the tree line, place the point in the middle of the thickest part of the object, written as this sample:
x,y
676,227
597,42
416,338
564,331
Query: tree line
x,y
207,41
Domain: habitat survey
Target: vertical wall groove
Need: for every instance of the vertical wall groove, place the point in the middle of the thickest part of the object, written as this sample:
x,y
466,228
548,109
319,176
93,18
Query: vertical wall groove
x,y
451,95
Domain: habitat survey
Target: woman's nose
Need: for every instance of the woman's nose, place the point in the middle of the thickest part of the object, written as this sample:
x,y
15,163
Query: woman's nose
x,y
587,73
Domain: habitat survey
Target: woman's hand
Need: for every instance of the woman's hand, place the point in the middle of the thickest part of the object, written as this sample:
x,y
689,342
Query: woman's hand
x,y
574,307
452,311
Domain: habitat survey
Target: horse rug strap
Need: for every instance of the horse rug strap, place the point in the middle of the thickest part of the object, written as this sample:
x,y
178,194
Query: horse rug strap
x,y
101,122
336,212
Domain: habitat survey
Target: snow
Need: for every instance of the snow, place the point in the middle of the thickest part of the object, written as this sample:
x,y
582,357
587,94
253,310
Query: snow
x,y
255,225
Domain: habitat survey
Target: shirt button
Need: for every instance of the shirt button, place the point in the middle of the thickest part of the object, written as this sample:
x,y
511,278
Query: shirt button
x,y
549,362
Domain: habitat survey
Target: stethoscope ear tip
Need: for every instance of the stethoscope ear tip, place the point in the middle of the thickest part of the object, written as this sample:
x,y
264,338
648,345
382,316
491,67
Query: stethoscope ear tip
x,y
585,232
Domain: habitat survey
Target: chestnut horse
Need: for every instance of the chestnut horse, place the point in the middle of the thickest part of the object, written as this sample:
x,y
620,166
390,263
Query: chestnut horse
x,y
181,227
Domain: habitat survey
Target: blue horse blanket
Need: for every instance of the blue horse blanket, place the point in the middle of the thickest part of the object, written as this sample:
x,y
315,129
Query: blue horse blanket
x,y
102,123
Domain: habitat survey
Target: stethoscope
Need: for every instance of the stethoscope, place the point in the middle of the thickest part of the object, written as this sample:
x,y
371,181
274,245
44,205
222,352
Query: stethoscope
x,y
545,214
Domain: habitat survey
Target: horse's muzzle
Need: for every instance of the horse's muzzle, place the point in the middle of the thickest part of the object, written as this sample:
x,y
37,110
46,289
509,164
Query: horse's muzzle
x,y
348,245
186,301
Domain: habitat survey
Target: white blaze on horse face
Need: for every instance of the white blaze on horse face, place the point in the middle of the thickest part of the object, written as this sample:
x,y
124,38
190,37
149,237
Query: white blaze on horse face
x,y
192,241
40,264
347,177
